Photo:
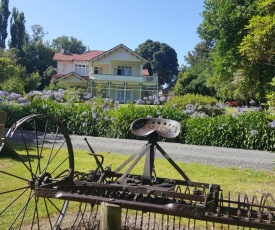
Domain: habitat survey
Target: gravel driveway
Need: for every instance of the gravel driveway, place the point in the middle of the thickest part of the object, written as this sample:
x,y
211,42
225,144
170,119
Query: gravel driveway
x,y
217,156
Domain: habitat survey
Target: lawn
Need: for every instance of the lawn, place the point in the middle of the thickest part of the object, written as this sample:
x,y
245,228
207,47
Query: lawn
x,y
231,179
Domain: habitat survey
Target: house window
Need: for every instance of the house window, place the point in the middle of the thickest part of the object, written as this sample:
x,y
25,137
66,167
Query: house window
x,y
82,70
97,70
120,94
124,70
129,95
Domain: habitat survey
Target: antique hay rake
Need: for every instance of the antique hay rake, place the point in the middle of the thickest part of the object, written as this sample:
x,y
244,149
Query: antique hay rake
x,y
45,191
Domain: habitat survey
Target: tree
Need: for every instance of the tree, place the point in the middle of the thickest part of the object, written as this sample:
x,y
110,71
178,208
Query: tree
x,y
32,82
70,45
259,44
162,60
47,76
194,78
17,29
4,16
13,85
38,32
37,57
224,28
37,54
7,69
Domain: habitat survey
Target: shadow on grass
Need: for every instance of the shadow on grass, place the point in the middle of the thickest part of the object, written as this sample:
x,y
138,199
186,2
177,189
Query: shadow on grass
x,y
11,151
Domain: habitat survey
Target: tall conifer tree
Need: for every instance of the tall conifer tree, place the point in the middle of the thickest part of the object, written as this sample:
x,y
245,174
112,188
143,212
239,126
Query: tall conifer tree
x,y
4,16
17,29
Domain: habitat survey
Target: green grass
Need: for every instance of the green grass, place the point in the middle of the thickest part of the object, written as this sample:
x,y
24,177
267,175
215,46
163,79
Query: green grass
x,y
231,179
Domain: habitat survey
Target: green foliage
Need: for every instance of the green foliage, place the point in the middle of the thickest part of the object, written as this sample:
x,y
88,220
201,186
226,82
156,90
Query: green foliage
x,y
71,45
13,84
196,103
251,130
32,82
241,37
197,78
37,57
17,29
259,44
55,86
162,60
7,69
4,15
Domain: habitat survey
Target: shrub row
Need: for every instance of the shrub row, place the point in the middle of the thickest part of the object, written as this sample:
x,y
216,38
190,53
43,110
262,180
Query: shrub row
x,y
102,117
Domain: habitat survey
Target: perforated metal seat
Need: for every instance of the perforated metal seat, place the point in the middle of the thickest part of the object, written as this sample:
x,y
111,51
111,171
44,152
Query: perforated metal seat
x,y
163,127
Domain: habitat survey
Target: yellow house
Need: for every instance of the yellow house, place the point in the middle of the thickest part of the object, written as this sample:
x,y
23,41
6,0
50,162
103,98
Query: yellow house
x,y
117,73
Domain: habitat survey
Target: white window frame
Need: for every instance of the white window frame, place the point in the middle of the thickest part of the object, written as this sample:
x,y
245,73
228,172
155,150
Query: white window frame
x,y
82,70
97,70
129,95
124,70
119,93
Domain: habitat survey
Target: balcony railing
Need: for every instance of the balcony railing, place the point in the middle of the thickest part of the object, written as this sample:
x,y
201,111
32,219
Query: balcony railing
x,y
112,77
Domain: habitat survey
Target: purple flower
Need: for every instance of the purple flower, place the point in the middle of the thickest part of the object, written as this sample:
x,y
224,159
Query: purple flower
x,y
140,102
253,132
162,99
272,124
22,100
84,124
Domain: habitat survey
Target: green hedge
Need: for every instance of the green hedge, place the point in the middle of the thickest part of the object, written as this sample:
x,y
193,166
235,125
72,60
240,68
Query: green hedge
x,y
196,103
251,130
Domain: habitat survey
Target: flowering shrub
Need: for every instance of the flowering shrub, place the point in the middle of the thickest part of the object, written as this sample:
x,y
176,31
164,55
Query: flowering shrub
x,y
151,100
197,105
248,128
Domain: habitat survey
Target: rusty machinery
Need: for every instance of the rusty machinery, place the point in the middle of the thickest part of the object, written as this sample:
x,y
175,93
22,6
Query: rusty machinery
x,y
36,193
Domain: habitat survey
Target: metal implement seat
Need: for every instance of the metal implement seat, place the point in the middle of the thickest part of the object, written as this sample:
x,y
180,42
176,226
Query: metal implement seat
x,y
163,127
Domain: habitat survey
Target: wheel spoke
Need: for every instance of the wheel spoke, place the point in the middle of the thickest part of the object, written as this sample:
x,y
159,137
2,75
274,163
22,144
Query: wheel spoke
x,y
48,158
62,162
48,214
14,190
27,150
12,175
24,208
12,202
21,160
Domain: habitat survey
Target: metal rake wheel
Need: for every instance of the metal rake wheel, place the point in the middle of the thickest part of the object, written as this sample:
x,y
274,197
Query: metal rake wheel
x,y
37,152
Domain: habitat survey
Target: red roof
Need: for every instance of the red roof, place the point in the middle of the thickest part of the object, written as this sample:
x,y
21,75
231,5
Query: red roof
x,y
77,57
145,72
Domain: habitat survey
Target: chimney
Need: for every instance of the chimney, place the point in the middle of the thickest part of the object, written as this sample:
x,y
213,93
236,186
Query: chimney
x,y
62,49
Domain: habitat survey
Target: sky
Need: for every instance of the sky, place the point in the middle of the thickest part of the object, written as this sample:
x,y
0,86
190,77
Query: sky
x,y
104,24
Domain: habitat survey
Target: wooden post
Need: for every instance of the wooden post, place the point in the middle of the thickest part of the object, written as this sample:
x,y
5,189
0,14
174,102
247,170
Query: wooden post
x,y
110,216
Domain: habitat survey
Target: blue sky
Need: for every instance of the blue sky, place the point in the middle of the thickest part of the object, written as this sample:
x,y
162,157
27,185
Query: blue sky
x,y
103,24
